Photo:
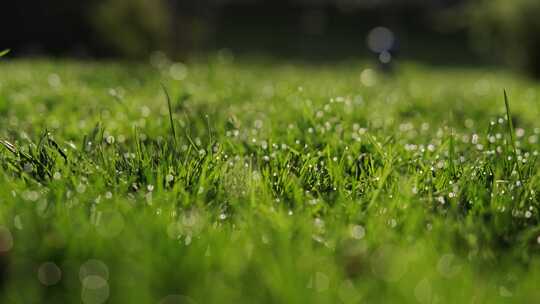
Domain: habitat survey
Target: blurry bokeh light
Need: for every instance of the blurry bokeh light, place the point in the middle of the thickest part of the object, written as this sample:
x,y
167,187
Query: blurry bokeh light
x,y
380,39
49,274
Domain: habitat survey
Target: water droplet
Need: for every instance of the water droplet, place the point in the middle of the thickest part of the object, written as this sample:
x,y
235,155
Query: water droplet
x,y
81,188
110,139
358,232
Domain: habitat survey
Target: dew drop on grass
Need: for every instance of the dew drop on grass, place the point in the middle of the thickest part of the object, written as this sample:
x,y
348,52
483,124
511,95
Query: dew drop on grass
x,y
358,232
27,167
110,139
441,200
81,188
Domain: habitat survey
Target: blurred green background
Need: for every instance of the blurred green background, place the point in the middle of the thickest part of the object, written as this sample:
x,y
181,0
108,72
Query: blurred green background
x,y
437,31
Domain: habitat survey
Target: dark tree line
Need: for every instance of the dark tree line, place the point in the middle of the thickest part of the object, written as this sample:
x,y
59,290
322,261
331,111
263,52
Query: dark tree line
x,y
133,28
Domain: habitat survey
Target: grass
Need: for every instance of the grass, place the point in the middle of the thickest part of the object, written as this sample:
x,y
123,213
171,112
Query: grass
x,y
245,181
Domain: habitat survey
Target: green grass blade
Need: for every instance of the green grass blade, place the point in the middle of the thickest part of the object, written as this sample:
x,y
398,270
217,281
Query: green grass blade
x,y
509,117
173,131
511,131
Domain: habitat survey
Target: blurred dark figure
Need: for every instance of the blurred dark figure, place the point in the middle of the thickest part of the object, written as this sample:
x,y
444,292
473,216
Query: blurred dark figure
x,y
383,42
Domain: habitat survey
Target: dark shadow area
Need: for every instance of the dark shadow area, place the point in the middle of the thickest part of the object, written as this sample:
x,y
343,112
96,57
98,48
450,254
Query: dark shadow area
x,y
330,35
437,32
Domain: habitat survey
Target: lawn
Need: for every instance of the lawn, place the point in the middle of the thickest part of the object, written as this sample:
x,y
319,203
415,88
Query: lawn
x,y
263,181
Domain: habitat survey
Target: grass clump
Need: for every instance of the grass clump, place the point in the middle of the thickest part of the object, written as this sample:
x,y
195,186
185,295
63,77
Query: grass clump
x,y
256,182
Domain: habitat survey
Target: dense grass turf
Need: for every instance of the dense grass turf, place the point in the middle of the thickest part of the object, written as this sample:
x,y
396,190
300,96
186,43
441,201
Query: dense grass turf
x,y
276,183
